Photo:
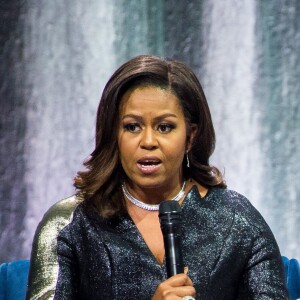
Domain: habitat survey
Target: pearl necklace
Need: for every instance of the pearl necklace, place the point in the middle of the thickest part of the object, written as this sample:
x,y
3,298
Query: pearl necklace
x,y
146,206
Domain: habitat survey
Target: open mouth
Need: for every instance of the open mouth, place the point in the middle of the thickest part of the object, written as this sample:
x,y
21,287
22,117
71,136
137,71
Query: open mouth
x,y
149,162
149,166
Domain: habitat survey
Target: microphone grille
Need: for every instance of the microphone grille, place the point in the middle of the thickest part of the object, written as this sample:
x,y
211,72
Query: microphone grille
x,y
169,207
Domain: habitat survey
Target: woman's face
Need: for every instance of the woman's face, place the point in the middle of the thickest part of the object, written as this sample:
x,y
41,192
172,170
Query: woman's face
x,y
152,137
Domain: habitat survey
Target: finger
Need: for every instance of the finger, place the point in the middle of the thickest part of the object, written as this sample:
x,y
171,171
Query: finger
x,y
184,291
167,292
175,287
179,280
185,271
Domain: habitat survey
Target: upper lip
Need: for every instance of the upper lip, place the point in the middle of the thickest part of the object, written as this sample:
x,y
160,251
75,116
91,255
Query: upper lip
x,y
149,159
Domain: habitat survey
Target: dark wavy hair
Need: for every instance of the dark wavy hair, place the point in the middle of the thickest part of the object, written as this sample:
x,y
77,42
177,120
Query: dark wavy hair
x,y
100,184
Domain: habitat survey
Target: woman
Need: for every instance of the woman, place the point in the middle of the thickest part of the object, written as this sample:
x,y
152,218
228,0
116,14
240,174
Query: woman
x,y
154,137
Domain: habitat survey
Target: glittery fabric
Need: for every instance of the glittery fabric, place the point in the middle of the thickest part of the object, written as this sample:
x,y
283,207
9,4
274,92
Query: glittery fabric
x,y
228,248
44,264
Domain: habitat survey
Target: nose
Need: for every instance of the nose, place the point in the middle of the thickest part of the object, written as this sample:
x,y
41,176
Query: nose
x,y
148,139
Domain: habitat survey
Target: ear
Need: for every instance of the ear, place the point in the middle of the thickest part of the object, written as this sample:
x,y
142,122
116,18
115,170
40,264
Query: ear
x,y
192,134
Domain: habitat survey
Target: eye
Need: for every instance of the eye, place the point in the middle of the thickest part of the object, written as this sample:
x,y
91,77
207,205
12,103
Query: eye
x,y
132,127
165,127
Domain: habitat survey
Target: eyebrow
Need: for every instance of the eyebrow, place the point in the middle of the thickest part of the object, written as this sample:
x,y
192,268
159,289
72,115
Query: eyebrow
x,y
156,119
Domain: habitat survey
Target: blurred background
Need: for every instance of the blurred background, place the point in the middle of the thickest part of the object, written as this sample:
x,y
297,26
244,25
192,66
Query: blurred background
x,y
56,57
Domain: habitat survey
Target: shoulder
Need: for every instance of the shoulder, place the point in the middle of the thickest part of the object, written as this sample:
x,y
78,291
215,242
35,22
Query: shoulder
x,y
230,198
242,208
247,225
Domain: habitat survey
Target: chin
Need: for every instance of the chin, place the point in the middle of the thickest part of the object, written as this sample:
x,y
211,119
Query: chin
x,y
151,183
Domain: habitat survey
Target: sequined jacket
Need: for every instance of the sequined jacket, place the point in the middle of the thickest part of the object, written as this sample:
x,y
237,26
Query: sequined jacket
x,y
228,248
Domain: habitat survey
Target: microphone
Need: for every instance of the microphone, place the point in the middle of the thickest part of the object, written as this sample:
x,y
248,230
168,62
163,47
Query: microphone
x,y
170,223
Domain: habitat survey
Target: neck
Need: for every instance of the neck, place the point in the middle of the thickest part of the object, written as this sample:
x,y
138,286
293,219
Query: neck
x,y
153,195
145,205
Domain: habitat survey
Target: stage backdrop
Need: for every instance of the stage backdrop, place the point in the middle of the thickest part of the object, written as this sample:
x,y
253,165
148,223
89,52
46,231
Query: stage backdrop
x,y
57,55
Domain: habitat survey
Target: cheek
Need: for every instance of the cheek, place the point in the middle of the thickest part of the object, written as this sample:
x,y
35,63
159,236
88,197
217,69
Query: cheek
x,y
175,153
126,146
126,150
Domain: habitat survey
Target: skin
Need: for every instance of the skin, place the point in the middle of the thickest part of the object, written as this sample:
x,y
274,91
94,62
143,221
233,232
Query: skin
x,y
152,142
152,127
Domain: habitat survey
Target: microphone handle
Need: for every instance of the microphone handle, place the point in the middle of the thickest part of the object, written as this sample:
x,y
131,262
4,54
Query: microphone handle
x,y
174,260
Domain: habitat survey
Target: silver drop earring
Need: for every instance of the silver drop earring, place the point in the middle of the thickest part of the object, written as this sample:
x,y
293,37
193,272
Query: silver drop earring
x,y
187,160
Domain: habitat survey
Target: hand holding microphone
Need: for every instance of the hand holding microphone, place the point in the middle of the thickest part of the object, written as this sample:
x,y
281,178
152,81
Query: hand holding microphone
x,y
178,285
